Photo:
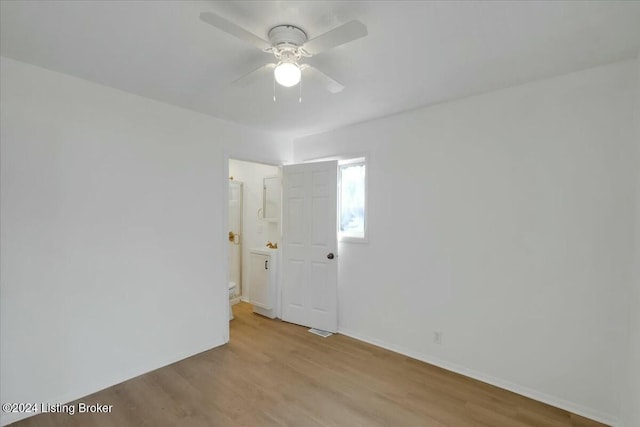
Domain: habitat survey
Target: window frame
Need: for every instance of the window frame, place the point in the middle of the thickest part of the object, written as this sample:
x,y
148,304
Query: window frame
x,y
346,238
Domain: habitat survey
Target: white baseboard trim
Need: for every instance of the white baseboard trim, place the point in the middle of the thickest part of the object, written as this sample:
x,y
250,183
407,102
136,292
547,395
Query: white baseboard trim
x,y
507,385
130,374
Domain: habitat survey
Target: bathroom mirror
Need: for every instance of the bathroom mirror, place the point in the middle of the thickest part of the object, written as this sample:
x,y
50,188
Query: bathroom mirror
x,y
271,198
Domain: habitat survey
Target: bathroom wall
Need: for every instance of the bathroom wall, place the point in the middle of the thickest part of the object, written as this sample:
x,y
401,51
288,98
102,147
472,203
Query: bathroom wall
x,y
256,231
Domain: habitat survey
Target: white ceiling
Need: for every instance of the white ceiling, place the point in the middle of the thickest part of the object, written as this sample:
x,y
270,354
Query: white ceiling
x,y
416,53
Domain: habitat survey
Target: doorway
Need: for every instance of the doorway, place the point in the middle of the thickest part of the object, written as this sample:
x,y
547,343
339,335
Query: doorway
x,y
301,283
246,214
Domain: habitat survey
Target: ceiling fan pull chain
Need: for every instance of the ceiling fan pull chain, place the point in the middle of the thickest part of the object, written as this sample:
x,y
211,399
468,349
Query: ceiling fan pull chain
x,y
300,98
274,87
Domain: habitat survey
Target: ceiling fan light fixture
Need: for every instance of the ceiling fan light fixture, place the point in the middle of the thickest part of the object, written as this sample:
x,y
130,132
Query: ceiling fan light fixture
x,y
287,74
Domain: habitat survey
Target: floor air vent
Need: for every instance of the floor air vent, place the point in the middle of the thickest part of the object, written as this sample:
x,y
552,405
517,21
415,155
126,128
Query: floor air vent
x,y
320,332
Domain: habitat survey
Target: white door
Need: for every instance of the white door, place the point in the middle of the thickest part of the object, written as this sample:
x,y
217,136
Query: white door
x,y
235,230
309,245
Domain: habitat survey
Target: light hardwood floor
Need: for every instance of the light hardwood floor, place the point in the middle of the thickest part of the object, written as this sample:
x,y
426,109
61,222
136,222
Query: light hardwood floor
x,y
277,374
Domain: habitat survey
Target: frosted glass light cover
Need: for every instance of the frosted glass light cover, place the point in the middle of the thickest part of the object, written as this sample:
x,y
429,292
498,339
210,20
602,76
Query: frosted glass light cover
x,y
287,74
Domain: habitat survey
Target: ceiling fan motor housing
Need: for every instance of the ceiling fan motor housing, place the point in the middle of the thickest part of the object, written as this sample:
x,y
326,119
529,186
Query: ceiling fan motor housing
x,y
286,43
287,35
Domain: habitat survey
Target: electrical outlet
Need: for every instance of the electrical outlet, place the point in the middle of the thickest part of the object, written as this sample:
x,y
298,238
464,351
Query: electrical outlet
x,y
437,337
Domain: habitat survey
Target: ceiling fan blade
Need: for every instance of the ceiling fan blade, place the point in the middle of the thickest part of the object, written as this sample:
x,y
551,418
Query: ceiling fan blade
x,y
231,28
338,36
328,82
253,75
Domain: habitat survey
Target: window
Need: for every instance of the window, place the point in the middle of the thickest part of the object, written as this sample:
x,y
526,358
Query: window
x,y
351,200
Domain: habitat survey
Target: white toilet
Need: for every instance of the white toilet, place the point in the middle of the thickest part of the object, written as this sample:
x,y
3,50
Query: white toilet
x,y
232,292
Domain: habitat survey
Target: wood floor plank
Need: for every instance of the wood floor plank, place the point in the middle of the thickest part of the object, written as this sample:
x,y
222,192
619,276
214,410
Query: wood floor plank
x,y
277,374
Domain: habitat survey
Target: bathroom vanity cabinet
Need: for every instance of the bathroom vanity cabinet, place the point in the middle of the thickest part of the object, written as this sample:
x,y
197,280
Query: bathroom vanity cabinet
x,y
263,281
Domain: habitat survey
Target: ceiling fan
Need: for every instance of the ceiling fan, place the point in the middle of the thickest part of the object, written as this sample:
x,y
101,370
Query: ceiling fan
x,y
289,44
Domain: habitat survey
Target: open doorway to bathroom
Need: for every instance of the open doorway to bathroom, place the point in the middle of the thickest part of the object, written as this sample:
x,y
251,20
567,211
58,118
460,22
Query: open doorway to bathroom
x,y
253,220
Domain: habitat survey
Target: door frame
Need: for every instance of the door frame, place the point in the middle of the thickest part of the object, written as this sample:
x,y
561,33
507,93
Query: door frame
x,y
224,182
240,284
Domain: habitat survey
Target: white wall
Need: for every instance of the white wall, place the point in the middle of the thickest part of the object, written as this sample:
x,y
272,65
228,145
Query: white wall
x,y
255,231
503,220
112,233
632,390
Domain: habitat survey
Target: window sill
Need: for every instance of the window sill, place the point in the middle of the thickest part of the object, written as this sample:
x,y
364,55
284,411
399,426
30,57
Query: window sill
x,y
351,239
